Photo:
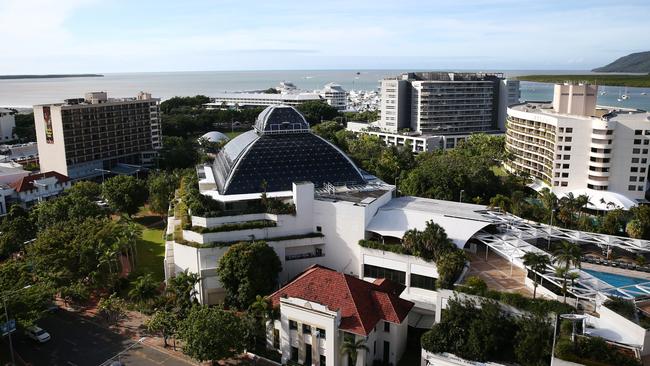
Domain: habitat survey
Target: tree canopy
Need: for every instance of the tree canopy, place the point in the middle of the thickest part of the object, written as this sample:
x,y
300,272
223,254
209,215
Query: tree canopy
x,y
124,193
247,270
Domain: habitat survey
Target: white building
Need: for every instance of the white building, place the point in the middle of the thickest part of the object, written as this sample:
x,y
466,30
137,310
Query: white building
x,y
335,96
7,125
82,137
322,308
32,189
572,145
248,100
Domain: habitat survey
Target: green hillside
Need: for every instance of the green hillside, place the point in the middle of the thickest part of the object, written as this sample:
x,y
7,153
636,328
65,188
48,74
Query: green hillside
x,y
634,62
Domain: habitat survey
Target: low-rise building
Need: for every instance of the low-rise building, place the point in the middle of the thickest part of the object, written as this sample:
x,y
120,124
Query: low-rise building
x,y
22,154
321,309
32,189
335,96
571,145
253,100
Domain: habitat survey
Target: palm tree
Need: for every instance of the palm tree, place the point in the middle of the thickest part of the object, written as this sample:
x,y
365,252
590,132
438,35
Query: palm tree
x,y
537,263
351,348
145,288
568,254
562,273
549,201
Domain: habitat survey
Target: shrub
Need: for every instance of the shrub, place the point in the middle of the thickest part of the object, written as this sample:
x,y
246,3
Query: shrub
x,y
235,226
393,248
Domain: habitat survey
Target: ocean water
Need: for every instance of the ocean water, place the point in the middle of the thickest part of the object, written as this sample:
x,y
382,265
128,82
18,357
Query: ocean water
x,y
27,92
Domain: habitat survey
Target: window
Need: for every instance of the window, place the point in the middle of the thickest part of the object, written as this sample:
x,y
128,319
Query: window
x,y
644,151
425,282
633,179
557,175
561,129
567,157
319,229
631,188
634,169
294,354
636,151
635,160
386,327
374,348
564,184
293,325
637,142
320,332
637,132
568,139
380,272
642,170
567,148
641,179
565,175
556,183
639,188
644,160
565,166
569,130
276,338
306,329
322,360
646,142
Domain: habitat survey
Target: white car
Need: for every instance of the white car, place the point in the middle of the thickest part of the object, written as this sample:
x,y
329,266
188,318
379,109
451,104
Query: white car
x,y
37,334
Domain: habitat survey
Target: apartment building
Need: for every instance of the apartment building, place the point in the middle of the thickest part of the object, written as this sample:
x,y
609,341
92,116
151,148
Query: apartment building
x,y
573,145
335,96
437,110
7,124
83,136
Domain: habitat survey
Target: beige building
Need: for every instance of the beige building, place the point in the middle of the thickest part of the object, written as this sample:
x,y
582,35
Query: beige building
x,y
572,145
82,137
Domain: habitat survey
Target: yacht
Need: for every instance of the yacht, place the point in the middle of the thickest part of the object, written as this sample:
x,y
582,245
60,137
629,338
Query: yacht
x,y
625,95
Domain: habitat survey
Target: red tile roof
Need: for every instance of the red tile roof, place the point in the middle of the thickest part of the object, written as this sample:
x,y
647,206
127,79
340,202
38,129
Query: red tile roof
x,y
26,183
361,304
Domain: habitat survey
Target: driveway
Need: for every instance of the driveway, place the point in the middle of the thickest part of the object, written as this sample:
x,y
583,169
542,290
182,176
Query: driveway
x,y
79,342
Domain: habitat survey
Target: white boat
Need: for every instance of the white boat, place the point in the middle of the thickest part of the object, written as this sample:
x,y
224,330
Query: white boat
x,y
625,95
644,93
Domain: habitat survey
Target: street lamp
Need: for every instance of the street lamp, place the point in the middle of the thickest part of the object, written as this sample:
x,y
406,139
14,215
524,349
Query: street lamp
x,y
460,199
4,304
573,318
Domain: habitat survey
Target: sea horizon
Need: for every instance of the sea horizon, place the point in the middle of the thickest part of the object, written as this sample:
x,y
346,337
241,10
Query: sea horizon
x,y
24,93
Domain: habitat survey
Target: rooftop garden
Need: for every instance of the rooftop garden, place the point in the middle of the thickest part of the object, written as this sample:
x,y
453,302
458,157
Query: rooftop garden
x,y
432,245
247,225
223,244
204,206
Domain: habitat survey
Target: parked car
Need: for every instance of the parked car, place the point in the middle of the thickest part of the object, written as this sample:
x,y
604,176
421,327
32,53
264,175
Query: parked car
x,y
37,334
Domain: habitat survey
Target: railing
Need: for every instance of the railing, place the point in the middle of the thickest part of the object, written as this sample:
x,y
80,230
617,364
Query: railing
x,y
293,257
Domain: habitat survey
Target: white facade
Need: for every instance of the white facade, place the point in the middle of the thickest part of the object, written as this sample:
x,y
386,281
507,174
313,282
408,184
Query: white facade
x,y
603,154
385,337
335,96
442,103
7,125
418,142
244,100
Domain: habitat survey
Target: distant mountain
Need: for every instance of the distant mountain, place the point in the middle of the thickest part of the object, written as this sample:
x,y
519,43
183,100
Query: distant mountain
x,y
634,62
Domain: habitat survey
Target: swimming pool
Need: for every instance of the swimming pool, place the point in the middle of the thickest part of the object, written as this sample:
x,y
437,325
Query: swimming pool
x,y
616,280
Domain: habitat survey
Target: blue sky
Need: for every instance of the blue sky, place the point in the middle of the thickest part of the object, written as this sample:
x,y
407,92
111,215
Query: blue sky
x,y
66,36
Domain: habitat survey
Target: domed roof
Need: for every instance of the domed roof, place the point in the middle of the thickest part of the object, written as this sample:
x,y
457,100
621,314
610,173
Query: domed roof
x,y
281,119
215,136
281,150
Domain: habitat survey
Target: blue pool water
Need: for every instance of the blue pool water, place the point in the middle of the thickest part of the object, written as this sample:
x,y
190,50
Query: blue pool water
x,y
615,279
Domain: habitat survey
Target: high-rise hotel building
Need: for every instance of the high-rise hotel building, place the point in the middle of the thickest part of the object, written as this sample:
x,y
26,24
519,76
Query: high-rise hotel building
x,y
82,137
432,110
573,145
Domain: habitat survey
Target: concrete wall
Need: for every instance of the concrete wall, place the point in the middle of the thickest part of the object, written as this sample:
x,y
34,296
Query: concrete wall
x,y
52,156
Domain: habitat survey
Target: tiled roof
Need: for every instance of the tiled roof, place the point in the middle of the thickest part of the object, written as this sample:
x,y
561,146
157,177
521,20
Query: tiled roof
x,y
26,183
361,304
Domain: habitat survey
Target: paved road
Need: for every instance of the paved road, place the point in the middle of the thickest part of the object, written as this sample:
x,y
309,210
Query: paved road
x,y
76,342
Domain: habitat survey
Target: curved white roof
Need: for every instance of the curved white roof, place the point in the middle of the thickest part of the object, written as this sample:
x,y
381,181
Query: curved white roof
x,y
215,136
460,220
603,200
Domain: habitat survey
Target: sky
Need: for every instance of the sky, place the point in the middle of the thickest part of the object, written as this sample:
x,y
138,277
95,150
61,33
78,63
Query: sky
x,y
88,36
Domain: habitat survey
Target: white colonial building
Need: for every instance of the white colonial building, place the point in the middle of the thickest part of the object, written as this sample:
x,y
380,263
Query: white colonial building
x,y
335,96
573,146
322,308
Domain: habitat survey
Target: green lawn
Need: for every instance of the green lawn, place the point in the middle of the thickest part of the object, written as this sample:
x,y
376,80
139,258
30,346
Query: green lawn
x,y
612,80
151,252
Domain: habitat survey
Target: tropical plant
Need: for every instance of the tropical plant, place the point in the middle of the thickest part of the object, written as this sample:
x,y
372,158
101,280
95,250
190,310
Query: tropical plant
x,y
112,309
124,193
537,263
181,292
352,348
562,273
165,323
144,289
567,255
